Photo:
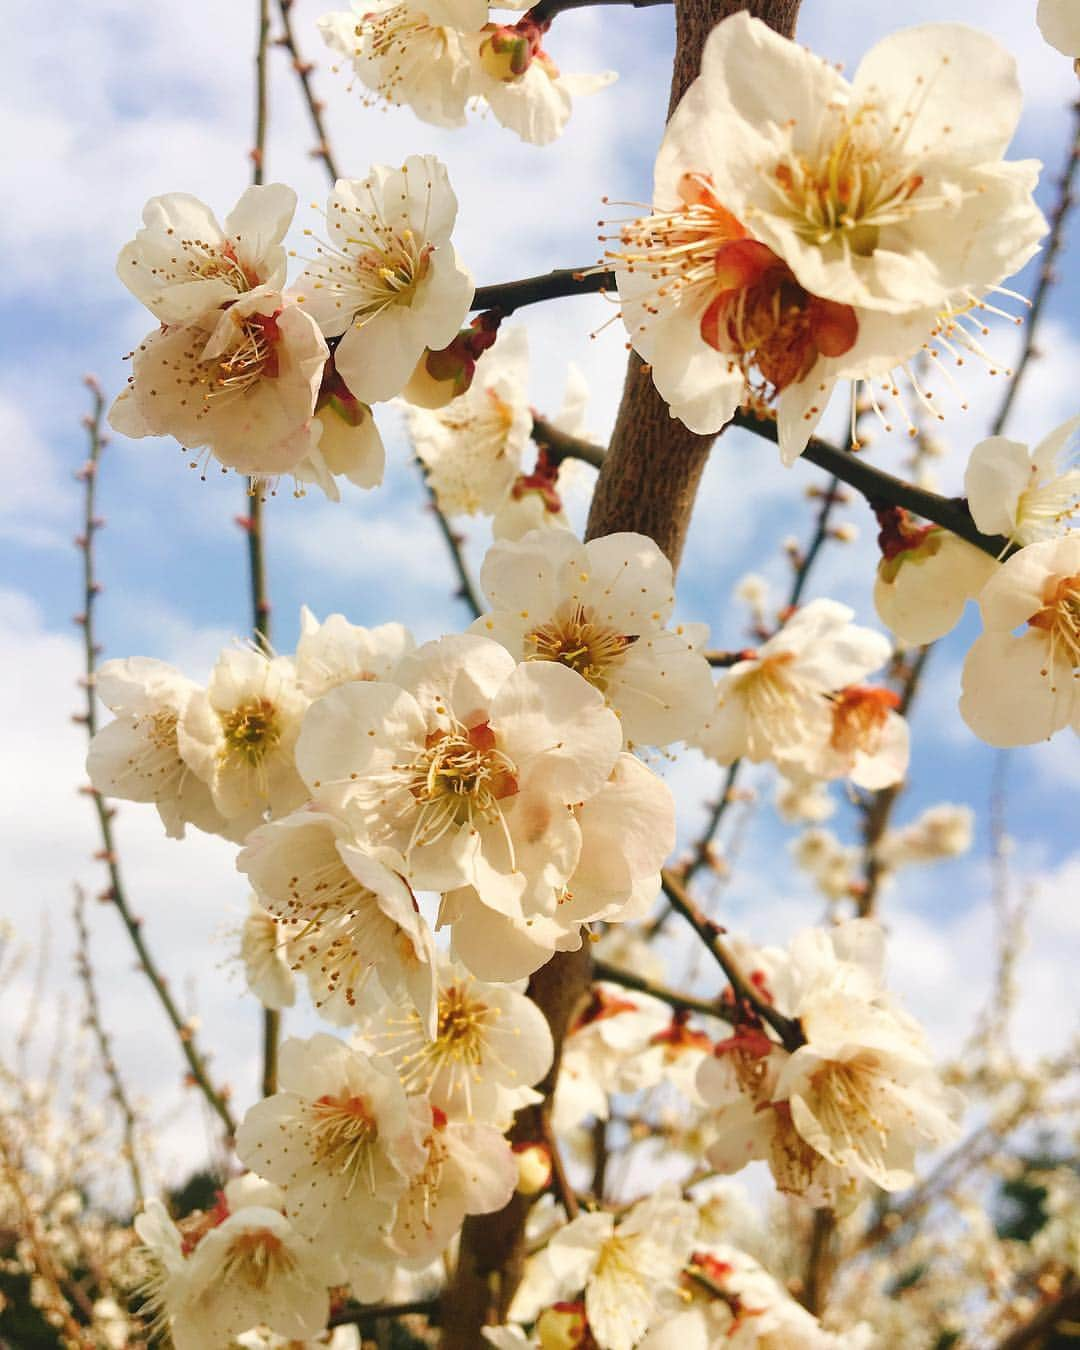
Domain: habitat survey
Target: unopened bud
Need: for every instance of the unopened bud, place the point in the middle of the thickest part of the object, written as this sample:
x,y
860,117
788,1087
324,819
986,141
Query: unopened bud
x,y
534,1168
442,376
507,52
563,1326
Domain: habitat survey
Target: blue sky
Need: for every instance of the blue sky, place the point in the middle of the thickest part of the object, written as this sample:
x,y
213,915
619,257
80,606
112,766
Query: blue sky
x,y
125,100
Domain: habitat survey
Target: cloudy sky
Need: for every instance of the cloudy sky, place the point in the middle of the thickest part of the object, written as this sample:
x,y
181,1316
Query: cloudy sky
x,y
124,100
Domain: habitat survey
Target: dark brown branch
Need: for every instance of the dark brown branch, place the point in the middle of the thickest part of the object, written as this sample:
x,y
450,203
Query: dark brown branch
x,y
1064,1308
116,894
365,1315
506,296
466,591
546,10
711,934
604,970
561,445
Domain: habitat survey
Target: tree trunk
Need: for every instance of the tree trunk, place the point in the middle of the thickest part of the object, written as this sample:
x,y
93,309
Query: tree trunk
x,y
647,483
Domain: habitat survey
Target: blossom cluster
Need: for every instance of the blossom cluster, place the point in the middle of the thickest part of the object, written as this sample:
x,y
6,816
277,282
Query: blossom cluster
x,y
439,57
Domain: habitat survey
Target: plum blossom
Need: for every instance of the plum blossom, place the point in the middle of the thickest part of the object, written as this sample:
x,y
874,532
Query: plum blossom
x,y
347,913
1018,689
627,832
602,609
388,283
467,767
1059,24
264,952
832,230
489,1046
856,1100
243,383
183,265
525,91
470,1169
404,57
1020,493
942,831
472,448
796,700
137,756
629,1271
339,1138
238,736
346,441
925,578
335,651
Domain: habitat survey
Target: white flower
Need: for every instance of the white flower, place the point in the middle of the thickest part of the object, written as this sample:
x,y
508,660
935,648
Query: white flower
x,y
775,705
346,444
183,265
1021,689
943,831
335,651
244,385
239,735
800,800
869,741
252,1269
472,447
535,102
388,283
339,1138
470,1169
602,609
925,580
348,914
1059,23
404,58
834,867
467,766
629,1272
890,192
263,950
490,1045
164,1285
627,832
826,231
137,757
1018,492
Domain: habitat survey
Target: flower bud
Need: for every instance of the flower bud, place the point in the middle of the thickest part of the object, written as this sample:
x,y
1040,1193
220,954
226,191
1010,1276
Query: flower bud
x,y
442,376
507,52
563,1326
534,1168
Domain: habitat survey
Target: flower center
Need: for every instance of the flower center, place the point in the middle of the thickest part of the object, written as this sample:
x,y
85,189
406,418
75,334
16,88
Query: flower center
x,y
1059,619
844,1100
252,357
460,775
1042,509
855,181
575,639
343,1137
256,1260
461,1048
250,731
859,715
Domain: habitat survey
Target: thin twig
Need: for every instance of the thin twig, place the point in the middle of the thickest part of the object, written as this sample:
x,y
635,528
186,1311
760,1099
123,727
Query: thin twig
x,y
1065,201
303,71
1066,1307
507,296
253,522
466,591
365,1315
216,1098
711,934
604,970
119,1095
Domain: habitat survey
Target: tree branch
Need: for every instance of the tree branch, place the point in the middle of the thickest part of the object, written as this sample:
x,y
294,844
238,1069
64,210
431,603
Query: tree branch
x,y
604,970
303,71
506,296
216,1098
546,10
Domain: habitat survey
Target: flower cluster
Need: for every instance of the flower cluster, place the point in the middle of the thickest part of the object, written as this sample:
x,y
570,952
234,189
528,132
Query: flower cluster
x,y
439,56
806,230
244,369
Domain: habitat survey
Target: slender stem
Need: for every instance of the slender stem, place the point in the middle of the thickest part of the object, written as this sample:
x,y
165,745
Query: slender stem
x,y
365,1315
603,970
1065,201
254,520
216,1098
819,1261
85,971
466,590
711,934
315,106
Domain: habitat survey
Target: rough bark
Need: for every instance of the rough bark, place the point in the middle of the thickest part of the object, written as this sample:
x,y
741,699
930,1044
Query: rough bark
x,y
647,483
